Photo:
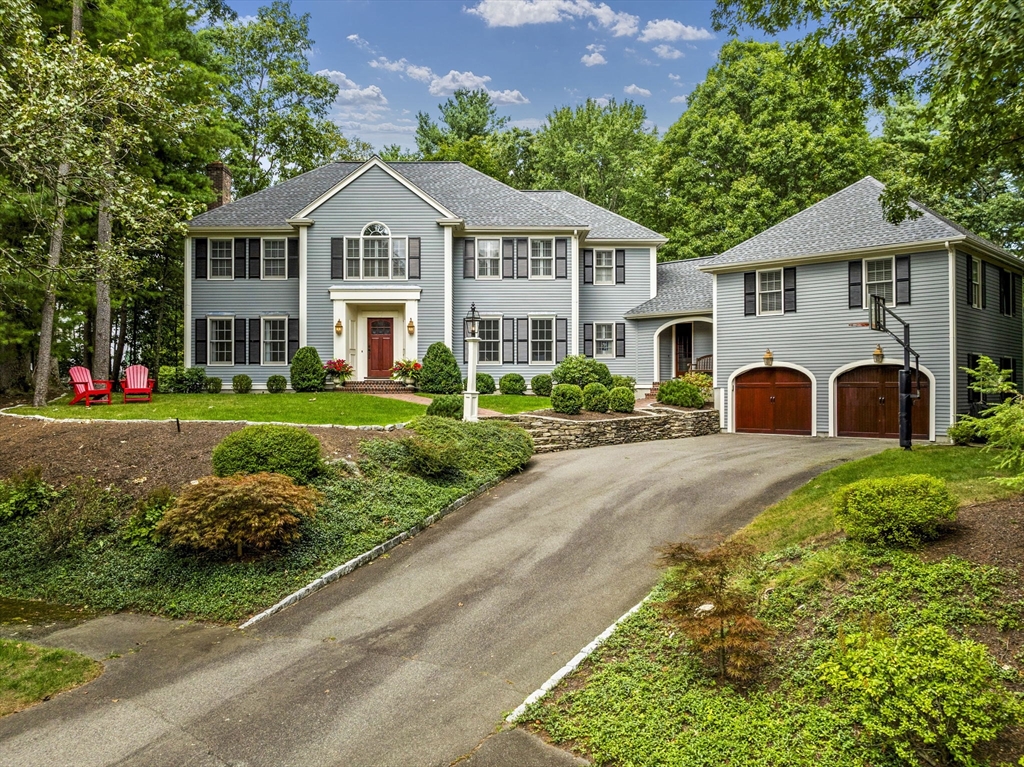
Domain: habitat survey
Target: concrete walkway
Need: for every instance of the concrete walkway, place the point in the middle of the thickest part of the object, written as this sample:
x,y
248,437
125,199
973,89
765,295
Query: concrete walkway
x,y
414,660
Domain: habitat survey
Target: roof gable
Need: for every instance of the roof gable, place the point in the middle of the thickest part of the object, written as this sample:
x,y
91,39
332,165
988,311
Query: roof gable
x,y
682,287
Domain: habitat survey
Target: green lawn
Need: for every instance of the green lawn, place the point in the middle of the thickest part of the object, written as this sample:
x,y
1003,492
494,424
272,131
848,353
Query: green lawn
x,y
509,404
29,674
341,408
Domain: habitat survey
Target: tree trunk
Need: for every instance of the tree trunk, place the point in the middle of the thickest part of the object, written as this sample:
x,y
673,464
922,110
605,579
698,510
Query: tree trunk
x,y
101,328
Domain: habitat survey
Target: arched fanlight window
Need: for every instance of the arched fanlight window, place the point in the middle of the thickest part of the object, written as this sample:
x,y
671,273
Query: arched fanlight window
x,y
375,254
376,229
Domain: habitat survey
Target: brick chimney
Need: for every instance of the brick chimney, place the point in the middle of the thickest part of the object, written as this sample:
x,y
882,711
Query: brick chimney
x,y
220,175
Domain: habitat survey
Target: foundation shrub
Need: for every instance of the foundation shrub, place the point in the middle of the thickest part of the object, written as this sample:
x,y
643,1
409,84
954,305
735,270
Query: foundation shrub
x,y
595,398
214,385
512,383
567,398
680,393
440,373
894,511
241,384
581,370
277,384
541,385
286,450
484,383
307,370
702,381
628,381
621,400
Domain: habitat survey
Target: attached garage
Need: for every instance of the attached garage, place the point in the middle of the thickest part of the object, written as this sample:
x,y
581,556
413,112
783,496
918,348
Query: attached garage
x,y
868,403
771,400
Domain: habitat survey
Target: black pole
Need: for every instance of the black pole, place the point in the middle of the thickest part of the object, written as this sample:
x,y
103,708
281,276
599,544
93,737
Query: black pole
x,y
906,401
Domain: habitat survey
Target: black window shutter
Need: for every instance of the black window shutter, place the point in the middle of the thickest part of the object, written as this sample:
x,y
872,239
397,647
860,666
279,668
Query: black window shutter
x,y
200,244
856,285
970,278
972,363
620,339
522,258
620,267
337,258
984,284
1014,293
1005,292
201,349
508,259
239,358
239,258
588,339
588,267
789,289
293,257
561,338
749,293
293,337
902,280
561,259
523,340
508,341
254,258
469,259
254,342
413,269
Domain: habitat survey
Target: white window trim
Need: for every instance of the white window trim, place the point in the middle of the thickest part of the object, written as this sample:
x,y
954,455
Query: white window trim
x,y
209,256
531,318
501,340
362,255
530,259
476,249
263,340
612,252
977,286
864,273
263,259
209,341
610,356
781,291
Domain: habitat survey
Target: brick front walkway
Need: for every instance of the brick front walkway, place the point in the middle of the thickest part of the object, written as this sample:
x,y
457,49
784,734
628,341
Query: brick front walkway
x,y
409,397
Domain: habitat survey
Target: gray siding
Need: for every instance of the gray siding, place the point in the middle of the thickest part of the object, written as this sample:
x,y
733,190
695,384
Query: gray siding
x,y
818,335
703,339
984,331
665,342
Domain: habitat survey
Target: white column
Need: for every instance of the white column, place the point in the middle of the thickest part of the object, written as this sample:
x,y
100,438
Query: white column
x,y
340,350
574,321
303,277
188,302
470,399
449,286
411,343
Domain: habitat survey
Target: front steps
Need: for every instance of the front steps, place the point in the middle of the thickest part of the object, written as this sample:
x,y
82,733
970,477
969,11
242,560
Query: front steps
x,y
375,386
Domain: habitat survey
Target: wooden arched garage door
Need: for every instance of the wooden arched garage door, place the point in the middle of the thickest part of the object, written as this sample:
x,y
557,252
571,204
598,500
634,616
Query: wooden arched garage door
x,y
868,403
773,401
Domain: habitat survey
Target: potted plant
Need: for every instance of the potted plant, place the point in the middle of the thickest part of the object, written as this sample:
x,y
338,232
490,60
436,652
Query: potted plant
x,y
406,371
337,371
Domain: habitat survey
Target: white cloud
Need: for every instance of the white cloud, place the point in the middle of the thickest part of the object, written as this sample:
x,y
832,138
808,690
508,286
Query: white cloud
x,y
674,78
518,13
359,42
451,82
594,58
506,97
448,84
382,62
602,101
351,93
635,90
677,100
667,52
338,78
671,30
421,74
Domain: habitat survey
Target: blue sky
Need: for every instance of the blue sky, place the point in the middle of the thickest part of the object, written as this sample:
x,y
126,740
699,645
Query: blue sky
x,y
394,58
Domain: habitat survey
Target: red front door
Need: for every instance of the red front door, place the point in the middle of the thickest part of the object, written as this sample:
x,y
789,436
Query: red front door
x,y
380,354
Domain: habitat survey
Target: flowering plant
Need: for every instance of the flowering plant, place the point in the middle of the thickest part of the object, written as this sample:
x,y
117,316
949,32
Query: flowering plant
x,y
339,369
406,369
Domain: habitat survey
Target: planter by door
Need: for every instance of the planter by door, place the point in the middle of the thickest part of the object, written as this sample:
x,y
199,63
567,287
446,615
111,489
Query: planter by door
x,y
868,403
773,401
380,354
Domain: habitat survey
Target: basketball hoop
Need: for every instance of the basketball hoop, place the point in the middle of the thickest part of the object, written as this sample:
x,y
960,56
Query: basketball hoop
x,y
876,313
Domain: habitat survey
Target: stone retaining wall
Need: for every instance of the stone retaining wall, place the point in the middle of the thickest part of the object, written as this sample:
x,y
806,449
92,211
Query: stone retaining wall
x,y
550,433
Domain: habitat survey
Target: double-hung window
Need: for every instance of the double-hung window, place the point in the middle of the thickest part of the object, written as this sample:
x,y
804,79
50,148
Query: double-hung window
x,y
604,267
222,340
976,276
275,259
769,291
222,259
488,259
542,340
490,339
879,280
604,339
275,338
542,259
376,255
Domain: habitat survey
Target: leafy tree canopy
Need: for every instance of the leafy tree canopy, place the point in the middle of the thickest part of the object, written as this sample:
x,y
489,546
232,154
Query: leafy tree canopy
x,y
466,115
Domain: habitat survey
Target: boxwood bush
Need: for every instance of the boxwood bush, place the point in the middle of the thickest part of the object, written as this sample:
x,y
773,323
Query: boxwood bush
x,y
286,450
440,373
181,380
241,384
446,406
541,385
595,398
894,511
963,432
680,393
512,383
628,381
484,383
214,385
307,370
621,400
567,398
581,370
277,384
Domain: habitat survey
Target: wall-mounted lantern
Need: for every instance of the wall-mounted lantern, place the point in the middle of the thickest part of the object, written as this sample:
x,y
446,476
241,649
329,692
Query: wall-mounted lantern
x,y
338,328
411,327
878,355
769,358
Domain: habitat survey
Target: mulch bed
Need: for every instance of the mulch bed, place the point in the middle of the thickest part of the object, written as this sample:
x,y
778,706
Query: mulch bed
x,y
987,533
136,457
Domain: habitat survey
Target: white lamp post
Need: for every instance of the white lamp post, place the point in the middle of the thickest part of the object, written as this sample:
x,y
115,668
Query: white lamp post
x,y
470,399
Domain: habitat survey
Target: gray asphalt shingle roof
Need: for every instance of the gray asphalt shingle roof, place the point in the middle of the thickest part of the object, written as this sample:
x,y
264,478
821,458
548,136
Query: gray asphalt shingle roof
x,y
604,225
682,287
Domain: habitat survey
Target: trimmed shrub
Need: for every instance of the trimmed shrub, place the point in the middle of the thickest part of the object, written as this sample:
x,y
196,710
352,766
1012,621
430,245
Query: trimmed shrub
x,y
928,697
167,379
621,400
484,383
541,385
446,406
431,457
259,511
619,381
581,370
680,393
241,384
307,370
25,495
277,384
895,511
490,445
702,381
595,398
214,385
512,383
440,373
963,432
567,398
286,450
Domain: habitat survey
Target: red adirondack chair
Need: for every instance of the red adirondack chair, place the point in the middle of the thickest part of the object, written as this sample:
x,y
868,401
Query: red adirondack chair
x,y
137,386
93,392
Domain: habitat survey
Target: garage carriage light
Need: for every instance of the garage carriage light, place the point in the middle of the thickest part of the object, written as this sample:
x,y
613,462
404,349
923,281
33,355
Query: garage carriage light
x,y
768,358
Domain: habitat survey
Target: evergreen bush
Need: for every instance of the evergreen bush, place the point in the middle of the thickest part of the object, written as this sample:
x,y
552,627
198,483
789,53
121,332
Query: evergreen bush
x,y
581,370
214,385
680,393
484,383
895,511
277,384
446,406
167,379
307,370
567,398
432,457
621,400
702,381
595,398
628,381
440,373
241,384
963,432
512,383
286,450
541,385
190,380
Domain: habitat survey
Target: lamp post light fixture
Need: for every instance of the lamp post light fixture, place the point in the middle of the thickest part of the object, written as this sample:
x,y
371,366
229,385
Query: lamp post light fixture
x,y
470,399
878,355
768,358
411,327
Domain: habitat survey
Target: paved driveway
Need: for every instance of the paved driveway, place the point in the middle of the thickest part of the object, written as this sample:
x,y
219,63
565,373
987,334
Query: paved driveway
x,y
413,660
